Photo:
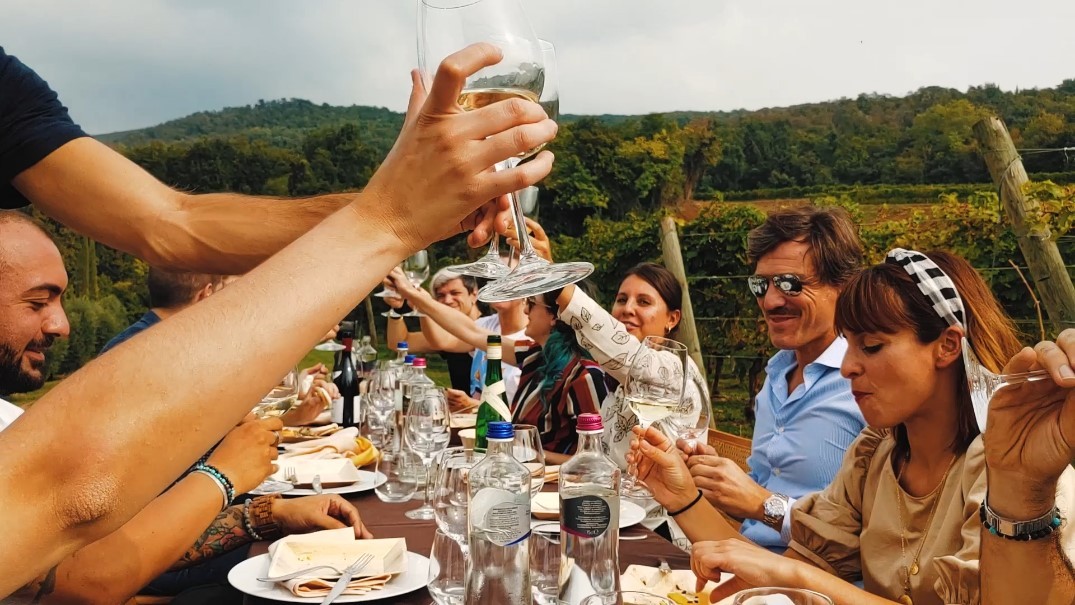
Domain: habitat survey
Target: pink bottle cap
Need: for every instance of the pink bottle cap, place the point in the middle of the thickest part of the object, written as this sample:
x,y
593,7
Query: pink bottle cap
x,y
419,362
590,423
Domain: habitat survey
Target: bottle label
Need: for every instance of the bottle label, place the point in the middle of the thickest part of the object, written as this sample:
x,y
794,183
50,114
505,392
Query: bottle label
x,y
493,395
336,410
500,516
586,516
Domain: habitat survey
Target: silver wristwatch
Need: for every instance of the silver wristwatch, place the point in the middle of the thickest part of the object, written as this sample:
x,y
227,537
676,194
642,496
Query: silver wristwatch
x,y
774,508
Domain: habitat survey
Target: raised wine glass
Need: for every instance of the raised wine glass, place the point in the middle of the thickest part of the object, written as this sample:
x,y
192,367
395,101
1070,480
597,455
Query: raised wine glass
x,y
654,390
535,275
416,268
526,71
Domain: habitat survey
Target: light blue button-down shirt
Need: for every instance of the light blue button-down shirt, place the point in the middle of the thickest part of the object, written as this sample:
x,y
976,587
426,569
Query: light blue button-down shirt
x,y
800,438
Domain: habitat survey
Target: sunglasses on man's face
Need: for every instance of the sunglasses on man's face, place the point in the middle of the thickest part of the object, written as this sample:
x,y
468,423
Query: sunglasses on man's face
x,y
788,284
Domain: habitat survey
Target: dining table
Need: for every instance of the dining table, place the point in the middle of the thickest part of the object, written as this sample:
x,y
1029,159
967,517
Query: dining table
x,y
638,545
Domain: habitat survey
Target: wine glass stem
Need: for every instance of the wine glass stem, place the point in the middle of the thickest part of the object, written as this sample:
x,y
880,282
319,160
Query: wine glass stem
x,y
426,464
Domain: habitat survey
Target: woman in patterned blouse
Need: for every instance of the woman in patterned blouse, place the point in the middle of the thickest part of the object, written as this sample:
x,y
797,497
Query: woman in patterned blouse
x,y
559,379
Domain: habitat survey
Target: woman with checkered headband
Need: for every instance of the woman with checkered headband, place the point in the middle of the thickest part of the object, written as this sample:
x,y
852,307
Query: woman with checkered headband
x,y
907,514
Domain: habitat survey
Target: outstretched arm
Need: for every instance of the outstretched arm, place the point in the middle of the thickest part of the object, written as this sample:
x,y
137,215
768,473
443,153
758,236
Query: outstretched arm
x,y
118,458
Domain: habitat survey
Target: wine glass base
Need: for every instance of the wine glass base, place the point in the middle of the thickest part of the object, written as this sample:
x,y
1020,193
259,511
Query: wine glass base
x,y
414,314
487,268
390,314
386,294
424,513
636,492
531,281
271,486
329,346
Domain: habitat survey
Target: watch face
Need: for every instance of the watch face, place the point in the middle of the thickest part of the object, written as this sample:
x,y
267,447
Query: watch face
x,y
775,507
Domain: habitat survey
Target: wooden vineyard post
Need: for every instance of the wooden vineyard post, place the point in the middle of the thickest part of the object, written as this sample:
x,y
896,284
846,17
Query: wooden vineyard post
x,y
1042,255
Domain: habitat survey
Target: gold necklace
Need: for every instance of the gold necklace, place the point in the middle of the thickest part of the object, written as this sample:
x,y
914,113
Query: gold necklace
x,y
913,569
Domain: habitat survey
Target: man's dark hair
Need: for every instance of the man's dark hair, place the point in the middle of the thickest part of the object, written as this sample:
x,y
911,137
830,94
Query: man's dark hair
x,y
835,248
170,290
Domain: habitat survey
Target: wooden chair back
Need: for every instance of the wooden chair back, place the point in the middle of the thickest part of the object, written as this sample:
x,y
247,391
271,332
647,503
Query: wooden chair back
x,y
730,446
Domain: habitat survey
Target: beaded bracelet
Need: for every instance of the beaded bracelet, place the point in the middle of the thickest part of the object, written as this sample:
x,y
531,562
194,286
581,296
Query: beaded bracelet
x,y
219,476
216,482
688,507
247,525
1022,531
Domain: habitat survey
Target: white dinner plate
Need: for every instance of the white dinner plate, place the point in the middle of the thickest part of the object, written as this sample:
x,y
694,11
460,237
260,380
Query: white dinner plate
x,y
367,480
244,577
630,513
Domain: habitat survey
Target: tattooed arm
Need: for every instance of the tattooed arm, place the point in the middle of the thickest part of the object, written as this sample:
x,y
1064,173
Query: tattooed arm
x,y
116,567
225,534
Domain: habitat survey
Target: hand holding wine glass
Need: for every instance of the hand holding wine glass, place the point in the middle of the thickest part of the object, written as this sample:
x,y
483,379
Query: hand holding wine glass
x,y
455,192
653,392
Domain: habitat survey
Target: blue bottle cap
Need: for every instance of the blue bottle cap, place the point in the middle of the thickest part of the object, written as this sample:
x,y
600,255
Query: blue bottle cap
x,y
408,359
401,344
500,430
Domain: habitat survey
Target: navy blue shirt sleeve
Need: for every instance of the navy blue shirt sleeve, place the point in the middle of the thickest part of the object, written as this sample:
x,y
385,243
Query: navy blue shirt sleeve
x,y
33,124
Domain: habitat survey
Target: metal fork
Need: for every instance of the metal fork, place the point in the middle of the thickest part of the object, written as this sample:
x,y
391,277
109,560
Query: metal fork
x,y
298,574
345,577
290,476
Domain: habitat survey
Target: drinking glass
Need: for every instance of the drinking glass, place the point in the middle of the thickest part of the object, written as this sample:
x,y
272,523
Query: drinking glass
x,y
654,390
693,429
545,563
528,71
450,493
795,596
984,384
534,275
527,449
280,398
426,433
399,485
387,292
624,597
447,570
416,268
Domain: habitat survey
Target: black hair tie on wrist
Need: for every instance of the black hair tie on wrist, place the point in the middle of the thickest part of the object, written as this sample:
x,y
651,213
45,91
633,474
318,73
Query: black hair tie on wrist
x,y
688,507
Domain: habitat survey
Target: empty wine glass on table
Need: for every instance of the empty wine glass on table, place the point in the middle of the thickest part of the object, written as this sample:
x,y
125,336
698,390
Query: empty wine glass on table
x,y
653,392
447,570
450,493
527,450
545,563
399,485
426,432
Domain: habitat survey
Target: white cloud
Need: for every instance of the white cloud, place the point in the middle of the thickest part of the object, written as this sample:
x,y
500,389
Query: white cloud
x,y
130,63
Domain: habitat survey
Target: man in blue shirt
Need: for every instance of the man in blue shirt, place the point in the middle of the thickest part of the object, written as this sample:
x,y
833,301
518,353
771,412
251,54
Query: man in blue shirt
x,y
170,293
805,414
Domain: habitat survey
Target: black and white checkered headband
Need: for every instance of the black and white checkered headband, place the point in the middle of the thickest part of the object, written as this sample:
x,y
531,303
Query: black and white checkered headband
x,y
933,282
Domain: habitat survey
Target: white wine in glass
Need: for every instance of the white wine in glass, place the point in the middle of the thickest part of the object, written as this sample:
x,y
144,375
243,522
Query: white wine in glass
x,y
652,409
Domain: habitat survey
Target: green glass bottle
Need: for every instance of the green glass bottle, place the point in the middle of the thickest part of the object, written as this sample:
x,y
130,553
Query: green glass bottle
x,y
493,404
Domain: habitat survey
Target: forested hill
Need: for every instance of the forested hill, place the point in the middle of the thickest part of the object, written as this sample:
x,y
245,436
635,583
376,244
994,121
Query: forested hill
x,y
609,165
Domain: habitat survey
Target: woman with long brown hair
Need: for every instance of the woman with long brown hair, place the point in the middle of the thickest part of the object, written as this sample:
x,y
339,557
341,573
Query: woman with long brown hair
x,y
903,513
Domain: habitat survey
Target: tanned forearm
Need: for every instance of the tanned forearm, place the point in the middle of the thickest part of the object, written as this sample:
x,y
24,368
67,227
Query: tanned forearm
x,y
220,233
116,567
224,535
462,327
1045,575
703,522
208,384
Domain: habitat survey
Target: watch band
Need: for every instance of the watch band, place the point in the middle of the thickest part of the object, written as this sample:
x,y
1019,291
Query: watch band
x,y
772,520
261,518
1032,529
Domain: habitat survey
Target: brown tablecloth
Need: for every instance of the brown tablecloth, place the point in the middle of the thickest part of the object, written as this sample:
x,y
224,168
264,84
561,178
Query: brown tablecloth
x,y
387,520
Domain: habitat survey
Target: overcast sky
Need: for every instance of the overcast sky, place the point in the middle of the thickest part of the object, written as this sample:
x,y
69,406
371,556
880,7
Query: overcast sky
x,y
122,64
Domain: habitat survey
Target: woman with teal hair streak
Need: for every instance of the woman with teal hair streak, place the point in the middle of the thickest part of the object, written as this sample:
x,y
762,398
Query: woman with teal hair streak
x,y
559,379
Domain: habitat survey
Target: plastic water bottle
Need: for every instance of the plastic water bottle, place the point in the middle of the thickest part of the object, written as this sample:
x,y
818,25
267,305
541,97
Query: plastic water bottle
x,y
498,522
589,517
